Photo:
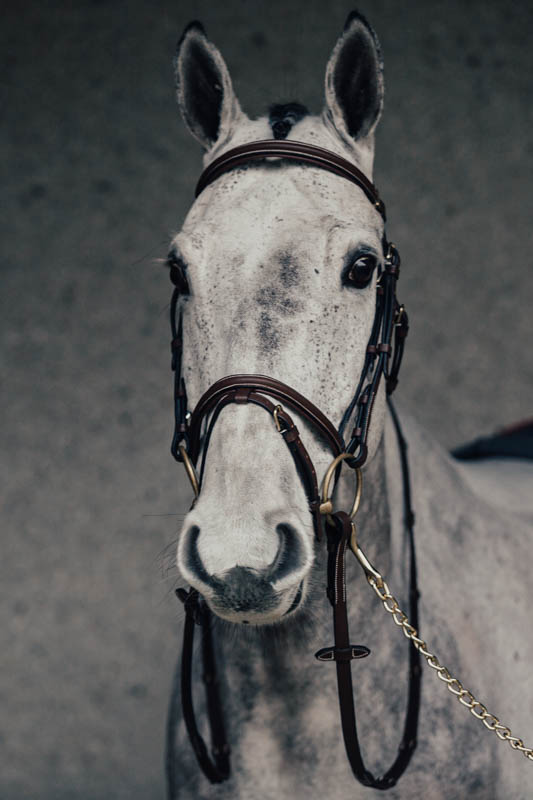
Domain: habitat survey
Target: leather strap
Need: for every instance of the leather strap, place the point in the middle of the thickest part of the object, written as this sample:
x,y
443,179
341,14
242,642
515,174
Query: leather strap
x,y
272,387
379,354
217,769
338,535
292,151
241,392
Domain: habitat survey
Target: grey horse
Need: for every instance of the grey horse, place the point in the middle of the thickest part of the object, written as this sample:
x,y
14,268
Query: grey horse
x,y
265,250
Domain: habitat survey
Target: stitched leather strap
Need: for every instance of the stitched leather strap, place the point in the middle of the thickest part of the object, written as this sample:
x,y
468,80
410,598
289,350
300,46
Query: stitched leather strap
x,y
338,535
216,768
241,391
272,387
292,151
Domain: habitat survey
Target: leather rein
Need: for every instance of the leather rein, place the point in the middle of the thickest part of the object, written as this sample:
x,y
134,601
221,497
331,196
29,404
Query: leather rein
x,y
190,445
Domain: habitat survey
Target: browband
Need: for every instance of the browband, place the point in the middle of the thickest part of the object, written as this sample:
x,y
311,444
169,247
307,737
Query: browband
x,y
293,151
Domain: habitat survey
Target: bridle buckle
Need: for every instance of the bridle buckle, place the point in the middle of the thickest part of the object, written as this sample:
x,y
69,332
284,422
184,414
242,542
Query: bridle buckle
x,y
275,414
400,316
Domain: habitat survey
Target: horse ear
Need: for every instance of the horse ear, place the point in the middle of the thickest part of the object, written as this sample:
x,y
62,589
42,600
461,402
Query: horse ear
x,y
205,94
354,80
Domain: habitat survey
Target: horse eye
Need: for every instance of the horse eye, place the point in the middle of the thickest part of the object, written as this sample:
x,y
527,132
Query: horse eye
x,y
359,272
178,273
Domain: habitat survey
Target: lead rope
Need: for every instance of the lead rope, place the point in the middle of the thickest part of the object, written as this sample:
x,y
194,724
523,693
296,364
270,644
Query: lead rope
x,y
410,630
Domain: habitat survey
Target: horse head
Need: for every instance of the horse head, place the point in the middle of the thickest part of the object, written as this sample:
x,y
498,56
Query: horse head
x,y
279,264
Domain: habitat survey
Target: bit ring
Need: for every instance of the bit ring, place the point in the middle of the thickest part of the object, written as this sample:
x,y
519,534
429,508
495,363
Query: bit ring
x,y
326,506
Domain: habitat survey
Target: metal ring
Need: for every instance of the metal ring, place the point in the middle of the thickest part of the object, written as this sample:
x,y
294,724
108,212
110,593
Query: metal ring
x,y
326,507
190,470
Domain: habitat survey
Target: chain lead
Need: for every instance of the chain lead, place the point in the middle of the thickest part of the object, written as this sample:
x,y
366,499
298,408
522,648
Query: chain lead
x,y
465,697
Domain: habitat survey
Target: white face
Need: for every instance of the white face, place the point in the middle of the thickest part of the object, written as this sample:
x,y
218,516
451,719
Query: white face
x,y
267,250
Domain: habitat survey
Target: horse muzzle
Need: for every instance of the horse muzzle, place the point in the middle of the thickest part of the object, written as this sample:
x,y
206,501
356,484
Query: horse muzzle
x,y
242,583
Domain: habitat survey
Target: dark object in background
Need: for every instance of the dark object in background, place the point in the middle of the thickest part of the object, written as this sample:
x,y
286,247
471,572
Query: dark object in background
x,y
513,442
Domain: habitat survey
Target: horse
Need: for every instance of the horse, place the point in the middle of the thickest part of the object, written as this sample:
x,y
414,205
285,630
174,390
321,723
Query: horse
x,y
279,265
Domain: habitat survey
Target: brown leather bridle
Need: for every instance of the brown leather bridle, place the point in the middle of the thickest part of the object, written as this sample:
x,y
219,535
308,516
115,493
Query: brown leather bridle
x,y
191,440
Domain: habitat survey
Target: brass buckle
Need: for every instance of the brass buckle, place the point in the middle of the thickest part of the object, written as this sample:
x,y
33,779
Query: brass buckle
x,y
190,470
275,414
326,506
392,256
398,320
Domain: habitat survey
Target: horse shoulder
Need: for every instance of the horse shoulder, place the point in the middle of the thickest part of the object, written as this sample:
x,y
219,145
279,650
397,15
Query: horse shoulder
x,y
504,483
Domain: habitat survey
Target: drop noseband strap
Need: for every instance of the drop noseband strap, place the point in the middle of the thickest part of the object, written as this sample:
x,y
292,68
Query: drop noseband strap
x,y
193,432
242,389
238,385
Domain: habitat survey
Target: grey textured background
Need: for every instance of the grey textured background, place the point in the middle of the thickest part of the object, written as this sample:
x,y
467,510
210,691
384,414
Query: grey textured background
x,y
97,172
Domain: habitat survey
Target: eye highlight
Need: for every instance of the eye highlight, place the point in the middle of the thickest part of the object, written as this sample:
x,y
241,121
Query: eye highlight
x,y
178,273
359,270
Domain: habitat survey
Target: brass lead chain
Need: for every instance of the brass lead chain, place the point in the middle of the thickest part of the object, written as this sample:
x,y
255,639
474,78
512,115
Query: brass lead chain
x,y
455,686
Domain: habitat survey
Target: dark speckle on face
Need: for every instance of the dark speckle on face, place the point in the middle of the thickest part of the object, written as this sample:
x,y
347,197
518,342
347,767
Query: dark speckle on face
x,y
268,335
277,301
289,269
270,297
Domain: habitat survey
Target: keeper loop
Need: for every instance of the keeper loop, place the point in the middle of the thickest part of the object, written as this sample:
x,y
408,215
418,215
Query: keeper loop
x,y
342,653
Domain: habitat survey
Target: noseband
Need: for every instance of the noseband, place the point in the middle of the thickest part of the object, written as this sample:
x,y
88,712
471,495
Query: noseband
x,y
190,444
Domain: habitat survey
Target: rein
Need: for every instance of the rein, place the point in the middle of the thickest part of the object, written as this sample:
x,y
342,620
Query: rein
x,y
191,439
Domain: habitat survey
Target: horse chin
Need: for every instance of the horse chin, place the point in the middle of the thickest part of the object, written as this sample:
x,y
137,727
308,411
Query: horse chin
x,y
289,602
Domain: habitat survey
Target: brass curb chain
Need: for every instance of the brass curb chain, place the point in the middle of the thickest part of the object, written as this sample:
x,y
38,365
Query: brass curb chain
x,y
455,686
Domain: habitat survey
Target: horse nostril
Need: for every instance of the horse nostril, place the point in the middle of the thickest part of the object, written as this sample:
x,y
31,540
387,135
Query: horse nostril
x,y
290,554
286,566
191,556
